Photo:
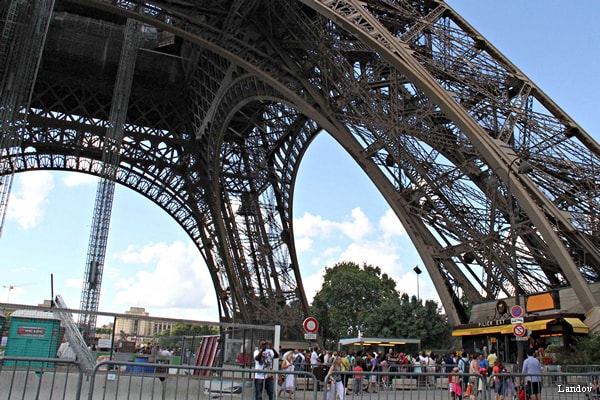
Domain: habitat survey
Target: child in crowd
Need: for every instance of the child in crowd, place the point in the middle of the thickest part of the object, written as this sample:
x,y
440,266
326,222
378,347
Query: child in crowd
x,y
358,370
455,384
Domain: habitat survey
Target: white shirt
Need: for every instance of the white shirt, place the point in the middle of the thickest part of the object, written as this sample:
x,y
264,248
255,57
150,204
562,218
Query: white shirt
x,y
314,358
265,363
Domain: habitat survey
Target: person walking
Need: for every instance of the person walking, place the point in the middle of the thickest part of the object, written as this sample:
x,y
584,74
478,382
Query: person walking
x,y
288,383
372,367
336,384
499,374
474,377
532,371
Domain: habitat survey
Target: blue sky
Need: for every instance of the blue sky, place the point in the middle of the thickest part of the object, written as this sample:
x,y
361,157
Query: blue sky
x,y
339,216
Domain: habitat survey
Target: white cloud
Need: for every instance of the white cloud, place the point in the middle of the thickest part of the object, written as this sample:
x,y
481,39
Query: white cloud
x,y
331,252
77,179
358,227
387,247
312,284
303,244
391,225
312,226
28,197
377,253
169,277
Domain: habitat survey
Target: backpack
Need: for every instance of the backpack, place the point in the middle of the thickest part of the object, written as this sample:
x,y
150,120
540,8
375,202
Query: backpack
x,y
465,365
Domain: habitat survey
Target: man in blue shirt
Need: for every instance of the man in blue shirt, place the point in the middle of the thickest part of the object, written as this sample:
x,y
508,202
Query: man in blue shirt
x,y
532,370
483,362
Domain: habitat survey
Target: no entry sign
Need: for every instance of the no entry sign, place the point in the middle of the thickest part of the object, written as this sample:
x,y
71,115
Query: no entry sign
x,y
310,325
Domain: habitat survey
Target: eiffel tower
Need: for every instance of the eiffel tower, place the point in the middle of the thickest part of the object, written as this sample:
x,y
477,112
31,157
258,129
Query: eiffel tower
x,y
497,187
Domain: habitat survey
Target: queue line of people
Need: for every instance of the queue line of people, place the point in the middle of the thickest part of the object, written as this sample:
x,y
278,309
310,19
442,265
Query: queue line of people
x,y
474,366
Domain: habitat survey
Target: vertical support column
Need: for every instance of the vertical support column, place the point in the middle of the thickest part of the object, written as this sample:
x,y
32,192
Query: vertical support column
x,y
90,294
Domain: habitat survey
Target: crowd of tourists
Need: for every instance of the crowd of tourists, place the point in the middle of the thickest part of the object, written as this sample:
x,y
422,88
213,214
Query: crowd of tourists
x,y
468,374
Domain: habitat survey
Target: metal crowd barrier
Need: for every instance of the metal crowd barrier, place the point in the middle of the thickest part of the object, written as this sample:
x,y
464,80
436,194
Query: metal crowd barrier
x,y
436,385
39,378
50,378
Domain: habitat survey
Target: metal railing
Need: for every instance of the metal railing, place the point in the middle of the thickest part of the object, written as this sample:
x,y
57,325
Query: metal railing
x,y
39,378
51,378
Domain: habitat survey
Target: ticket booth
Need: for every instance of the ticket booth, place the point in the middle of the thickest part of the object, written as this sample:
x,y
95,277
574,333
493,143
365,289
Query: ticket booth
x,y
495,327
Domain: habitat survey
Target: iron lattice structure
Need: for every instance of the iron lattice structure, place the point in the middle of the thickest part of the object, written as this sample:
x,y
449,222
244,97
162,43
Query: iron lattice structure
x,y
227,96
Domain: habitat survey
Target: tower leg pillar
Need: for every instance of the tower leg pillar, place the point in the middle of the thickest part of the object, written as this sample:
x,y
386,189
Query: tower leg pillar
x,y
592,319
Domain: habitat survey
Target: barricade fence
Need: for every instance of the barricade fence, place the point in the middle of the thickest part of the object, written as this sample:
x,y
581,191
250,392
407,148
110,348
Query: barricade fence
x,y
51,378
39,378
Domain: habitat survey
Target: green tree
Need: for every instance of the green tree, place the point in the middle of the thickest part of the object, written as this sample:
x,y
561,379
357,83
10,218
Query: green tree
x,y
181,329
410,318
583,352
172,338
349,296
354,299
104,330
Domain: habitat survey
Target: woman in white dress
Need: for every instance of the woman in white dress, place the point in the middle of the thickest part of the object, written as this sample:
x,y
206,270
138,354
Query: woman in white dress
x,y
288,384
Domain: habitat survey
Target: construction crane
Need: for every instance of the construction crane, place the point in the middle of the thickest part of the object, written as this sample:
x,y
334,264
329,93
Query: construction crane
x,y
21,45
90,294
10,288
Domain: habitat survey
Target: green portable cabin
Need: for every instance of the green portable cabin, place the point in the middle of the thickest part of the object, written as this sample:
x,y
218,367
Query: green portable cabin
x,y
32,333
2,325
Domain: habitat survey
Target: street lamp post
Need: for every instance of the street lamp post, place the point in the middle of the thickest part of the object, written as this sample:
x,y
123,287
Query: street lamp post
x,y
524,168
418,272
513,257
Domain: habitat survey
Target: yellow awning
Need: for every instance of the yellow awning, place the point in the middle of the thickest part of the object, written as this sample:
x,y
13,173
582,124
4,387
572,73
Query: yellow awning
x,y
503,329
578,325
500,329
537,325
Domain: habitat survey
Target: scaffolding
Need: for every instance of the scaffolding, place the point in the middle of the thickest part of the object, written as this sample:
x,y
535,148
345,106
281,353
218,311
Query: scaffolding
x,y
90,294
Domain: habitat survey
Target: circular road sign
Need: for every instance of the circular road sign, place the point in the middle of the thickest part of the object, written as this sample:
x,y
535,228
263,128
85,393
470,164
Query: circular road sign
x,y
310,325
516,311
519,330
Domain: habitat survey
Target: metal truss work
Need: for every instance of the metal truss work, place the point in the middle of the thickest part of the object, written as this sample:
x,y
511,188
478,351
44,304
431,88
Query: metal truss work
x,y
21,45
227,96
94,265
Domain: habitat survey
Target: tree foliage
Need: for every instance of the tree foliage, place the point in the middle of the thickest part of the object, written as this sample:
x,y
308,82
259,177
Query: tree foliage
x,y
364,301
171,338
181,329
583,352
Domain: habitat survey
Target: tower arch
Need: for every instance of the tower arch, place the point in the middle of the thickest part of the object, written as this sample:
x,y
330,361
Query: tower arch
x,y
442,123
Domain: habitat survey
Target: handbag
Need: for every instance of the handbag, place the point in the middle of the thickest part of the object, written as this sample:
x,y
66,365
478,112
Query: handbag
x,y
469,389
